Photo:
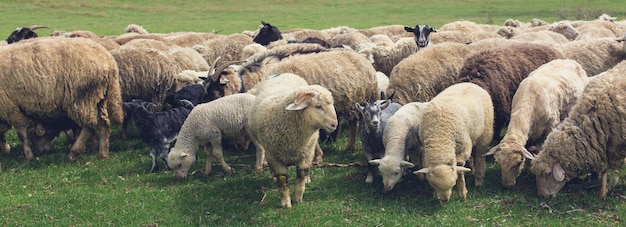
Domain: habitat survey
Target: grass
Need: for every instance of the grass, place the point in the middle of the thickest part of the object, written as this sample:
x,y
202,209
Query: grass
x,y
120,192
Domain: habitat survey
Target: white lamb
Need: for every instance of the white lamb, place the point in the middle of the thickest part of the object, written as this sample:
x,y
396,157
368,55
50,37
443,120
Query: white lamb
x,y
457,120
284,121
207,124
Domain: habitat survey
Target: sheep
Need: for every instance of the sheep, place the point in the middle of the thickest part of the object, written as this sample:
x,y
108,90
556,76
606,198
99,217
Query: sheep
x,y
463,26
285,125
355,40
595,55
401,142
134,28
385,57
381,40
562,27
382,82
374,119
252,49
23,33
541,101
188,77
462,37
596,29
267,34
157,129
606,17
302,34
208,125
590,139
189,39
228,47
500,70
348,75
50,78
389,30
456,124
421,76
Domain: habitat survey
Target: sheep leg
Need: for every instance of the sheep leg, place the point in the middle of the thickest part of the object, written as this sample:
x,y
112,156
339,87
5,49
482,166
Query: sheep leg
x,y
219,155
460,186
22,132
104,132
479,168
79,145
353,124
260,158
301,175
207,161
604,190
317,159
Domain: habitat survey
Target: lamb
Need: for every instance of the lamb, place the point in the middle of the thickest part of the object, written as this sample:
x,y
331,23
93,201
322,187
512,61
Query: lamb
x,y
288,115
590,139
208,125
457,124
500,70
374,119
542,100
401,140
421,76
157,129
82,87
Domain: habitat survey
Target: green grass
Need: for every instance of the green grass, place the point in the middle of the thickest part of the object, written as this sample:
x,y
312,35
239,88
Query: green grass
x,y
50,191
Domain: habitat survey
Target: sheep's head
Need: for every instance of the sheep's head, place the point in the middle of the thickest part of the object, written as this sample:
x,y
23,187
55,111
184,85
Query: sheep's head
x,y
391,169
267,34
565,28
180,161
23,33
512,159
550,177
442,178
317,105
422,33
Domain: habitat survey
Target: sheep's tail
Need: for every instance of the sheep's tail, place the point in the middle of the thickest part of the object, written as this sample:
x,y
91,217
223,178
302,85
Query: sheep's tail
x,y
114,99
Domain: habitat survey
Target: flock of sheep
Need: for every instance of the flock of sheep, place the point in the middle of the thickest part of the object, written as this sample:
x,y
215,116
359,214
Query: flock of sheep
x,y
435,101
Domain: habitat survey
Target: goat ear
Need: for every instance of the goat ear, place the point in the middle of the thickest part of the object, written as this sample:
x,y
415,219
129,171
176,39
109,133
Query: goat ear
x,y
374,162
302,100
359,107
422,170
409,29
462,169
406,164
558,172
492,151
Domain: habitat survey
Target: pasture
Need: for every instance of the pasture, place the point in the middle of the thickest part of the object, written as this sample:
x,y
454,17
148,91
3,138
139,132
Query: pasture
x,y
120,191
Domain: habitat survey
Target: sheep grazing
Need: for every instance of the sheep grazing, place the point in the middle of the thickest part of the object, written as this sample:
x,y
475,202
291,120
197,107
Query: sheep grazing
x,y
81,83
157,129
208,124
284,122
401,140
457,124
267,34
542,100
500,70
421,76
590,139
23,33
421,32
374,119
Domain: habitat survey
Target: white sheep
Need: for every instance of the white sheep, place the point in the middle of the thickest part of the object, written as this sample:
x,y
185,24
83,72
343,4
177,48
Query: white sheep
x,y
401,140
595,55
590,139
386,57
541,101
457,124
207,125
382,82
284,122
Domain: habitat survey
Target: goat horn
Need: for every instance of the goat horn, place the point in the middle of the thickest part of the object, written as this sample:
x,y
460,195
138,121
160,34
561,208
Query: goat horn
x,y
37,27
218,71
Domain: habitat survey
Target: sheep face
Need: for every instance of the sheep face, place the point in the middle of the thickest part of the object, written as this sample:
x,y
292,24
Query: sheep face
x,y
391,170
512,160
442,178
318,107
422,33
180,162
566,29
550,179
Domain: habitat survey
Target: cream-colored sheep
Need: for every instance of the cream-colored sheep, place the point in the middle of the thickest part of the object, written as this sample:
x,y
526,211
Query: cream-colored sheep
x,y
541,101
457,124
284,122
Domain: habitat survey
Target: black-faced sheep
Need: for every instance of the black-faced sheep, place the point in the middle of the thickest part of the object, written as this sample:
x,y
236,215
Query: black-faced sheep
x,y
500,70
47,79
208,125
401,140
457,124
284,121
267,34
590,139
542,101
157,129
421,76
374,119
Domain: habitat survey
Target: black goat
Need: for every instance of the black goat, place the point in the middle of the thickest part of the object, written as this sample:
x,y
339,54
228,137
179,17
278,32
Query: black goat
x,y
267,34
157,129
23,33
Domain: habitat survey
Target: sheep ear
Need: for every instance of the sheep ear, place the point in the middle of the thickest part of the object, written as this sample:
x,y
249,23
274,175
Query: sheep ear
x,y
527,154
302,99
558,172
423,170
374,162
406,164
492,151
184,155
462,169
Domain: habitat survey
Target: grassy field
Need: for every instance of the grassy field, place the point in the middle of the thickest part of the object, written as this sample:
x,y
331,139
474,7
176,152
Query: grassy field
x,y
120,191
